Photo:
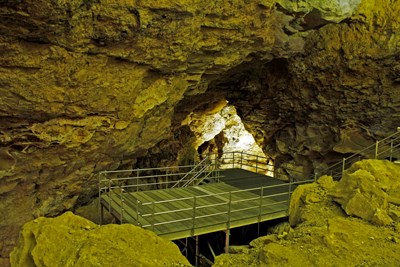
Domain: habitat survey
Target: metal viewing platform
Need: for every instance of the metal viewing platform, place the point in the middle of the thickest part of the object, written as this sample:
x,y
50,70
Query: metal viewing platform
x,y
184,201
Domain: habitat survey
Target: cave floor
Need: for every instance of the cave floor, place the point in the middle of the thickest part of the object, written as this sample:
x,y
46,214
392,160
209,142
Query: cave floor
x,y
240,198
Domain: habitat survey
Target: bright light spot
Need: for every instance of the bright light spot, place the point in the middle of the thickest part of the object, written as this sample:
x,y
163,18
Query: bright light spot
x,y
223,131
246,142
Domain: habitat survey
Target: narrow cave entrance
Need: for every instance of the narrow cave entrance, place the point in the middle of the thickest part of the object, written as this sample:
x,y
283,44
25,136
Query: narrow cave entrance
x,y
220,130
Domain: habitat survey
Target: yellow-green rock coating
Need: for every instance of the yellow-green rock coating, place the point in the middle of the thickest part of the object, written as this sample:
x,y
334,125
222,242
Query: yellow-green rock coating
x,y
70,240
323,234
92,85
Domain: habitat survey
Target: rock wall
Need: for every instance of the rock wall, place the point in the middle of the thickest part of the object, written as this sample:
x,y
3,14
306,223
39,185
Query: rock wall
x,y
337,97
105,84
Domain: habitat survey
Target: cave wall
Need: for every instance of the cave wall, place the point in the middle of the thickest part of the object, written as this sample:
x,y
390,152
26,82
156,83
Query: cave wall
x,y
101,84
337,97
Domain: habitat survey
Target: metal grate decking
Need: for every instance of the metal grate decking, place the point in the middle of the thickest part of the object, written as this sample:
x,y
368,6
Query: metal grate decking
x,y
239,198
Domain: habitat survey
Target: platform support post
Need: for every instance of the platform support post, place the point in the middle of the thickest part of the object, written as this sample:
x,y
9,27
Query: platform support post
x,y
227,233
197,252
187,248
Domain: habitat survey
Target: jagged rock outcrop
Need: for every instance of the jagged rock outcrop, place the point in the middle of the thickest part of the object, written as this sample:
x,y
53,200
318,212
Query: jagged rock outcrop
x,y
323,234
370,190
70,240
88,85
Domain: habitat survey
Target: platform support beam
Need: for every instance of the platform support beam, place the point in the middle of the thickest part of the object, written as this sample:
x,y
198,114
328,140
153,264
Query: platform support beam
x,y
227,233
197,251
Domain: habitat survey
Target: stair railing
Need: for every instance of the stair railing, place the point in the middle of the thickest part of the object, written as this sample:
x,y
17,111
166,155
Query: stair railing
x,y
203,170
193,172
382,149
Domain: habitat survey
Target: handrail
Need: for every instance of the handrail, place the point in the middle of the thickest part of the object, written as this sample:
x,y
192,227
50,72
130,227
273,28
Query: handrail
x,y
254,203
198,174
374,150
191,171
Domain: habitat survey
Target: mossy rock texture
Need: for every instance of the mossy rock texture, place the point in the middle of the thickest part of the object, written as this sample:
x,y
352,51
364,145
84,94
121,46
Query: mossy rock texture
x,y
324,234
70,240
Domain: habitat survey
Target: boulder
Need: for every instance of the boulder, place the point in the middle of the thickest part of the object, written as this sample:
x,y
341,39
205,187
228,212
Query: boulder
x,y
323,235
308,202
70,240
366,190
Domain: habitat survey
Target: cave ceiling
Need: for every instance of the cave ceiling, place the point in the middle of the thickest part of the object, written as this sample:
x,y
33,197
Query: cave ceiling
x,y
89,85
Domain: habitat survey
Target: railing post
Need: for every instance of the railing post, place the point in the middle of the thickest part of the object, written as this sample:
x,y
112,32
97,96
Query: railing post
x,y
152,215
261,205
391,150
233,160
289,193
122,207
137,212
109,196
241,160
344,165
228,223
194,215
376,149
137,180
100,206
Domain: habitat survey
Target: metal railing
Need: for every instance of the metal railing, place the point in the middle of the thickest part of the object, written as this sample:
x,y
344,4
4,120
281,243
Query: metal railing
x,y
205,168
263,201
243,160
120,182
387,148
135,180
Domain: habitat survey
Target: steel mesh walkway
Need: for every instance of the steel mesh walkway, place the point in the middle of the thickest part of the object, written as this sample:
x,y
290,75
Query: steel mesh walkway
x,y
239,198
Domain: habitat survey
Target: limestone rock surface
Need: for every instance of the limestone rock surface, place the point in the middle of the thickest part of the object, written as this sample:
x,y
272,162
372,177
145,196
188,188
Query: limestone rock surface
x,y
322,234
70,240
88,85
370,189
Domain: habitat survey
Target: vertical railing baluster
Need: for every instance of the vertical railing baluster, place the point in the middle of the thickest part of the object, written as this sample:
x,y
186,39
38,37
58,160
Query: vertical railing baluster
x,y
100,206
344,165
194,215
289,193
137,181
228,223
137,212
122,207
391,150
376,149
152,214
109,195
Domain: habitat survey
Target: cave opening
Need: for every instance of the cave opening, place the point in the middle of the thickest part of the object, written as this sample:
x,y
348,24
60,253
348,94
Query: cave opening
x,y
220,130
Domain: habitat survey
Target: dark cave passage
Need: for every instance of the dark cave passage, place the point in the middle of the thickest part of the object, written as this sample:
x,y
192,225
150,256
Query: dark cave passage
x,y
213,244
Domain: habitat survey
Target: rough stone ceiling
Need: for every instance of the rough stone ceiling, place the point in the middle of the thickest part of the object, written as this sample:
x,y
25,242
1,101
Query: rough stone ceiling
x,y
105,84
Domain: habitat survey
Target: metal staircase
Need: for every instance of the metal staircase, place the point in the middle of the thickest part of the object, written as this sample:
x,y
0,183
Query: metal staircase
x,y
205,169
385,149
